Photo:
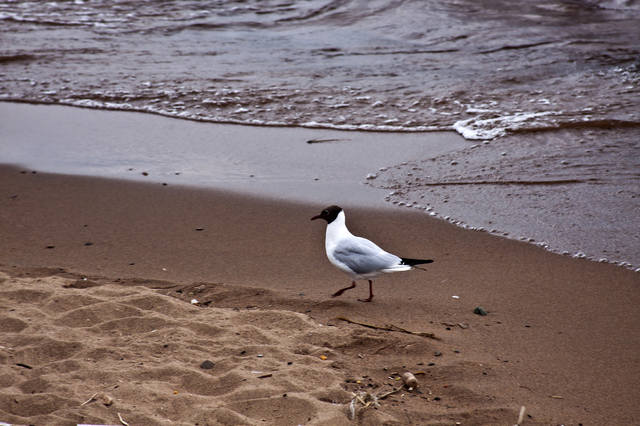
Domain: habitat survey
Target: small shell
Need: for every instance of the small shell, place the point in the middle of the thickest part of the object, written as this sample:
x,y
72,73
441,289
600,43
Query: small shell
x,y
106,400
409,380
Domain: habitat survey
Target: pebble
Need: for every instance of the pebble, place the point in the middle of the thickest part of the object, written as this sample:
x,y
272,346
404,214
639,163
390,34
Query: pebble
x,y
207,365
437,353
479,311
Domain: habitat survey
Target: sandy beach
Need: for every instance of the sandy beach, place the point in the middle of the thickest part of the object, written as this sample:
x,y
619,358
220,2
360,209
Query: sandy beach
x,y
160,162
98,277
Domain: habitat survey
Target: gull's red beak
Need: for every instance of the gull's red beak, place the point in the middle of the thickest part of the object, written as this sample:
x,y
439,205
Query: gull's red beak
x,y
318,216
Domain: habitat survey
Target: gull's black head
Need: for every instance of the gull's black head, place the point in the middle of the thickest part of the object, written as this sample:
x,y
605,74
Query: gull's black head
x,y
329,214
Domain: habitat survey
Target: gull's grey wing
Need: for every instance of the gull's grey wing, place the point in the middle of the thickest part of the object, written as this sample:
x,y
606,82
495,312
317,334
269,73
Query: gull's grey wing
x,y
363,257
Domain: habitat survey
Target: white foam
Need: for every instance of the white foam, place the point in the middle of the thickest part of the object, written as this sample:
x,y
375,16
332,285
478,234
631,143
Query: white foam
x,y
478,128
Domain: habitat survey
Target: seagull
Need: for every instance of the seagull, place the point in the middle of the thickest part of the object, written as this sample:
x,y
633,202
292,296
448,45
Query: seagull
x,y
357,256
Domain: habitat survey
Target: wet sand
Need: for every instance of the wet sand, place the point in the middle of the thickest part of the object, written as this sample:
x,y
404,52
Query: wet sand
x,y
561,336
572,191
278,162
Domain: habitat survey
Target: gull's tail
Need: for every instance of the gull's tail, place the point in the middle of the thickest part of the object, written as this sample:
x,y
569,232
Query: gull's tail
x,y
407,265
414,262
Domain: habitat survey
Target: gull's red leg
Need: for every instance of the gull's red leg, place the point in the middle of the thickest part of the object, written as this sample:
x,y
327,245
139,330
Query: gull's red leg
x,y
370,293
342,290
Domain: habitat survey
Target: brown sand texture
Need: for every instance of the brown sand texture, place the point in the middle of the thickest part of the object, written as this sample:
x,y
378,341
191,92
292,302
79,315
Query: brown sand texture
x,y
91,350
561,336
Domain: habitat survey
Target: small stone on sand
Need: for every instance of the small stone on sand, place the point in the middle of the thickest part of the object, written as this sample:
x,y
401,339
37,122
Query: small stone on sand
x,y
207,365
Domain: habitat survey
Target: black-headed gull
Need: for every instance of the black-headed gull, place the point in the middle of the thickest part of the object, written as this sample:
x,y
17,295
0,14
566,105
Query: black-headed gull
x,y
357,256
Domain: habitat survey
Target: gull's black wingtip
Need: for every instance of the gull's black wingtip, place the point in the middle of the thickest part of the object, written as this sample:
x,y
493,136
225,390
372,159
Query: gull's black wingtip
x,y
413,262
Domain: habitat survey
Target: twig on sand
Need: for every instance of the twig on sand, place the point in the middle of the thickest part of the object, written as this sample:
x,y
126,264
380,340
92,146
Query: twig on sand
x,y
106,399
93,398
352,409
122,420
310,141
390,327
384,395
23,365
367,400
521,416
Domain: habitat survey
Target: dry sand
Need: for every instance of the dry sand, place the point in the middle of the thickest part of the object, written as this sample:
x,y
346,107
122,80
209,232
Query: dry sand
x,y
561,338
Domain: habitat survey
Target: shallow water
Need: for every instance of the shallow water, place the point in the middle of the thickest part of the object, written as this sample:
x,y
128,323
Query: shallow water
x,y
318,166
533,78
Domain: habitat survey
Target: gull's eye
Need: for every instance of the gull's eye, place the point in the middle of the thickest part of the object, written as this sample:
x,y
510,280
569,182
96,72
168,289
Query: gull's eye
x,y
325,211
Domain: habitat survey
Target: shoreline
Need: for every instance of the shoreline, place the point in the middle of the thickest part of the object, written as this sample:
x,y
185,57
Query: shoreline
x,y
278,163
573,192
365,128
275,162
552,322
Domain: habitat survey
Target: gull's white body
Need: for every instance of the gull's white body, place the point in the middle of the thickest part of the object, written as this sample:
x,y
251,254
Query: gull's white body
x,y
358,256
